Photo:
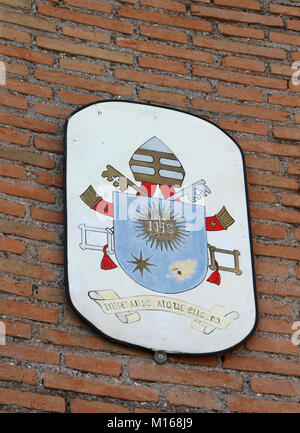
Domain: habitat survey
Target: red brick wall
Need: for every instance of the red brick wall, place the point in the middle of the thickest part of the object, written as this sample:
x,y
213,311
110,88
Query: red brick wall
x,y
226,60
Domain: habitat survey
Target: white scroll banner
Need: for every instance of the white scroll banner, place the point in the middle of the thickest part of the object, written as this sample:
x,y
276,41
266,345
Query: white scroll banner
x,y
203,320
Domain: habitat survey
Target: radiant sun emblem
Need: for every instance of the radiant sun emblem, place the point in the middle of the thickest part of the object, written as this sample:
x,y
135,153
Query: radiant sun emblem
x,y
160,227
141,263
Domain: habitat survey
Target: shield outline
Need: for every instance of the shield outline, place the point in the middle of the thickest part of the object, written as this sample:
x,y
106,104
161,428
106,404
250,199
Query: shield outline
x,y
117,193
66,277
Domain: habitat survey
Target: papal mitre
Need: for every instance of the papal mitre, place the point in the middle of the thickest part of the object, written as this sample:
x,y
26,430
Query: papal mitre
x,y
154,162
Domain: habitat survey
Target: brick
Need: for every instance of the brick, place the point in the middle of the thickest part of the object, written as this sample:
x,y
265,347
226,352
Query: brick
x,y
295,56
285,100
268,269
155,373
297,234
48,144
17,329
254,161
13,246
16,68
24,20
77,98
282,38
50,179
247,4
27,270
276,308
22,4
29,311
48,255
89,406
240,93
92,364
280,289
238,109
16,374
82,83
72,319
32,400
242,63
82,66
239,47
27,157
65,46
290,199
97,387
27,191
238,77
264,385
94,5
196,399
28,123
277,326
293,168
261,195
164,50
269,147
294,88
83,18
236,16
26,54
15,35
259,405
263,365
29,353
27,231
268,230
278,215
276,251
46,215
162,97
241,32
162,34
52,110
168,5
164,19
161,80
70,339
51,294
279,69
284,10
273,345
272,180
20,288
86,34
29,88
293,24
14,171
162,64
12,136
241,126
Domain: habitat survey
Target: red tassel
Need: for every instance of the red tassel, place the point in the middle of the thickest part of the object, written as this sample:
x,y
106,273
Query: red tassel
x,y
215,277
106,262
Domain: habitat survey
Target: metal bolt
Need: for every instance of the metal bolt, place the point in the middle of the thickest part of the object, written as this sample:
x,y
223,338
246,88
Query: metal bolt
x,y
160,357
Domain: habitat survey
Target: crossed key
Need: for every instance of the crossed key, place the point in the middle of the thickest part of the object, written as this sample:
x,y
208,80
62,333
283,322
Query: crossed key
x,y
119,180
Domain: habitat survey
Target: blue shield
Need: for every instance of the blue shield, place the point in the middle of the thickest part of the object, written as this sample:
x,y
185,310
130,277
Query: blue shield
x,y
161,244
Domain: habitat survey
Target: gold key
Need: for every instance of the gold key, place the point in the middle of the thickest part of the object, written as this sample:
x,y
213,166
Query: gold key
x,y
119,180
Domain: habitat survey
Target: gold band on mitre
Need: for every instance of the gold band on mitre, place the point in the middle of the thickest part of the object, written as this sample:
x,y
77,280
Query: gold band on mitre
x,y
90,197
224,218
